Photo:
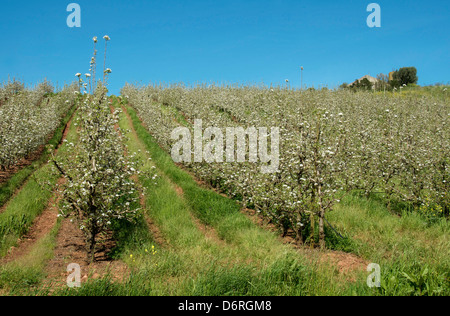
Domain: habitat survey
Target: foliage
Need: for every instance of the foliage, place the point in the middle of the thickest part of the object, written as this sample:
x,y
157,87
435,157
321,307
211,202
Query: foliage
x,y
98,188
406,76
11,88
382,83
333,142
29,118
363,84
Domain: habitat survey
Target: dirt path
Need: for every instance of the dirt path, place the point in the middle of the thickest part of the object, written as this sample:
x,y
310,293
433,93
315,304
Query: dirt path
x,y
42,226
43,223
153,228
208,231
71,248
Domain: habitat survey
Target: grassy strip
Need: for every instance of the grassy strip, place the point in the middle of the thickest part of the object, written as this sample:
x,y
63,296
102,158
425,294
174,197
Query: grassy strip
x,y
210,207
192,264
8,188
412,253
261,265
413,267
22,276
190,252
29,202
250,261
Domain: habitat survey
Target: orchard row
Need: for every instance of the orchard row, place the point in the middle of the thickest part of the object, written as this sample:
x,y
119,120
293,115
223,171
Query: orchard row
x,y
332,143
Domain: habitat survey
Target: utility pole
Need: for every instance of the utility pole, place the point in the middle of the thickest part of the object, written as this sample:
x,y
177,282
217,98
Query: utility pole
x,y
302,78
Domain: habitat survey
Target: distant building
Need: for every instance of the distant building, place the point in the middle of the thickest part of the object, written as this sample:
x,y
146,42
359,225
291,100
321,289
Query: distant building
x,y
373,80
391,75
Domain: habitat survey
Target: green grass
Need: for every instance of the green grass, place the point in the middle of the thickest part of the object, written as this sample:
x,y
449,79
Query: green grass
x,y
406,247
382,234
32,199
23,276
242,259
191,263
235,256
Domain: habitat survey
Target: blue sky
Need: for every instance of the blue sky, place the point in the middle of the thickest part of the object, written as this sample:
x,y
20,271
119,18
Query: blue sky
x,y
246,41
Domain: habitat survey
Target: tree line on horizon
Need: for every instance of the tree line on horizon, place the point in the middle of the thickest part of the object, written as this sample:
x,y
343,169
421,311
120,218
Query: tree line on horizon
x,y
402,77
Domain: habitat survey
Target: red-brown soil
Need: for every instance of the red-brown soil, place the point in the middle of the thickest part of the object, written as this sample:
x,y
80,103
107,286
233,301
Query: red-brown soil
x,y
71,248
41,226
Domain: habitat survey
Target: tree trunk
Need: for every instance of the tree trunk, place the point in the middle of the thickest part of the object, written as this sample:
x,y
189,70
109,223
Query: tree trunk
x,y
299,234
299,237
321,230
312,234
91,243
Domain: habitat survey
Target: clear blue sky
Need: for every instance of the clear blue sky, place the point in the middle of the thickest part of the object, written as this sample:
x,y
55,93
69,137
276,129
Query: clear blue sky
x,y
245,41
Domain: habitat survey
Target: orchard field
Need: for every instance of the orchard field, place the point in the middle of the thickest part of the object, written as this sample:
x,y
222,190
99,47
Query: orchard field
x,y
89,179
212,190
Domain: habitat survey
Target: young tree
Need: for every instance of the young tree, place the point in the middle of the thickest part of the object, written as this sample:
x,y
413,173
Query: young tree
x,y
320,180
383,82
344,86
98,188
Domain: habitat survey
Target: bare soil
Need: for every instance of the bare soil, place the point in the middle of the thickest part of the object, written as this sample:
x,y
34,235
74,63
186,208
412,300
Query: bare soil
x,y
71,248
41,227
43,223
